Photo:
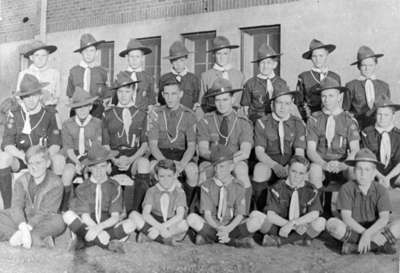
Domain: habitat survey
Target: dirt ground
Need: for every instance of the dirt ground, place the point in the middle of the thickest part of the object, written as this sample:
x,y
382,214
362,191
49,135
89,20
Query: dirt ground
x,y
321,257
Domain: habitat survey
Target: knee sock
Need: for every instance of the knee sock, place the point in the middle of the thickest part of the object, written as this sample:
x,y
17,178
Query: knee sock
x,y
78,228
190,195
145,230
387,233
350,236
5,186
247,198
128,198
208,233
239,232
293,237
118,233
66,198
142,182
260,194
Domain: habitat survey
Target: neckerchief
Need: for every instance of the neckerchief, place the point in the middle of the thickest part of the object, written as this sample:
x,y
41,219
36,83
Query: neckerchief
x,y
281,130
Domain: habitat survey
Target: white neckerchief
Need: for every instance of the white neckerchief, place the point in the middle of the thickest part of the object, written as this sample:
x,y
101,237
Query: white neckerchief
x,y
331,124
222,199
27,123
164,199
323,72
281,130
98,199
86,74
270,87
294,207
38,70
126,118
223,69
82,125
133,72
179,75
385,149
369,89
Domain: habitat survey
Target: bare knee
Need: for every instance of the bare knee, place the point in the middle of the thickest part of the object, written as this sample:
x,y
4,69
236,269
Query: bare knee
x,y
137,219
58,164
316,175
128,225
262,172
68,174
195,221
242,173
6,160
319,224
143,165
336,227
69,216
255,220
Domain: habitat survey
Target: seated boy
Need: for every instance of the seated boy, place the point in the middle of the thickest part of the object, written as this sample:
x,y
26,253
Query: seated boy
x,y
364,209
95,212
164,207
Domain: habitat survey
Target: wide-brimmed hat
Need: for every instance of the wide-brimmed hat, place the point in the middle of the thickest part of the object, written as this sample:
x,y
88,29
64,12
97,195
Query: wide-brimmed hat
x,y
220,86
177,50
81,98
30,85
315,44
220,153
168,79
123,79
329,83
88,40
221,42
265,52
37,45
386,102
365,155
364,52
97,154
282,89
134,44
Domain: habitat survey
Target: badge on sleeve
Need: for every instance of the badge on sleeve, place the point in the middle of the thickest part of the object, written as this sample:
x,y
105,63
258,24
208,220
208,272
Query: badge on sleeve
x,y
56,132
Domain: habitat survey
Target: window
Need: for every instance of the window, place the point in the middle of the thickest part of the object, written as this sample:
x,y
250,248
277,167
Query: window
x,y
199,43
251,39
107,59
24,62
153,61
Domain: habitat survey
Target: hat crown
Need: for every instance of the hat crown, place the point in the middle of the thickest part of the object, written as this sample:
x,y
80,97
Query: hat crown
x,y
29,83
365,154
178,49
316,44
221,85
266,51
36,44
364,52
134,43
97,152
280,89
220,41
80,95
123,77
169,79
329,83
221,153
87,39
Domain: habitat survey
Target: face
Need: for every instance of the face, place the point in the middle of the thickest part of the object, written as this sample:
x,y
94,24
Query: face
x,y
223,169
368,67
172,95
267,66
125,95
39,58
331,99
83,112
37,165
384,117
282,105
319,57
135,59
297,174
89,54
224,103
31,102
179,64
166,178
222,56
364,172
99,171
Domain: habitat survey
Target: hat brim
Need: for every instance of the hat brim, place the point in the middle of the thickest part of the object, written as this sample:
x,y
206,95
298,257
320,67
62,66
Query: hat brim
x,y
342,89
395,107
112,154
48,48
221,160
353,162
116,87
82,103
222,47
145,51
308,54
38,89
177,56
267,57
212,93
95,44
293,93
366,57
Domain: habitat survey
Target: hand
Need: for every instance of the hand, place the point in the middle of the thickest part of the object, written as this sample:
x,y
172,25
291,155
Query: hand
x,y
195,106
286,229
365,243
237,156
333,166
79,168
280,170
180,167
92,233
384,181
165,232
123,163
300,229
342,166
223,234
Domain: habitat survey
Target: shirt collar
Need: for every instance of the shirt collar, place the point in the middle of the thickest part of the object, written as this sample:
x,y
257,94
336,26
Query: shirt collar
x,y
136,70
371,189
182,74
86,65
335,112
230,116
381,130
363,78
324,70
34,68
265,77
292,188
162,189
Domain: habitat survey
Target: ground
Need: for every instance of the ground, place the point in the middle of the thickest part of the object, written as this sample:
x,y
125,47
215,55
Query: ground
x,y
321,257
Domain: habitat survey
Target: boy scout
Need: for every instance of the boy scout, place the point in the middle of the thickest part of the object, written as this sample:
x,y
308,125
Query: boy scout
x,y
189,82
292,210
78,134
310,80
330,134
364,209
144,95
32,218
257,91
367,90
95,212
124,130
87,75
278,136
164,207
30,124
221,48
172,135
383,140
38,54
225,126
222,205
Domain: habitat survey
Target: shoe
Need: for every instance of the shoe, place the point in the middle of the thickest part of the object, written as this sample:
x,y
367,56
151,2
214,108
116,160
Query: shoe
x,y
75,244
142,238
200,240
16,239
247,242
26,239
270,240
169,241
349,248
116,247
387,248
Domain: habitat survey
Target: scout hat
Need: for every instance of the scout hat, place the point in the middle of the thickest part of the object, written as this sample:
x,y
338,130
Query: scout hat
x,y
220,86
30,85
220,153
364,52
97,154
264,52
330,83
88,40
386,102
282,89
134,44
169,79
37,45
81,98
365,155
177,50
221,42
315,44
123,79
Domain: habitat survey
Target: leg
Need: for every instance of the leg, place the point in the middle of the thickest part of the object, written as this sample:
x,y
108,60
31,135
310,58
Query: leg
x,y
316,227
316,175
6,161
51,226
179,228
58,164
241,171
261,175
208,233
206,171
338,230
190,187
258,221
8,227
67,176
142,183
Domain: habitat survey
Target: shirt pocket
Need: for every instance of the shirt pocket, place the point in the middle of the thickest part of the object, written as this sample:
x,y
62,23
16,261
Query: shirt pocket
x,y
273,141
339,142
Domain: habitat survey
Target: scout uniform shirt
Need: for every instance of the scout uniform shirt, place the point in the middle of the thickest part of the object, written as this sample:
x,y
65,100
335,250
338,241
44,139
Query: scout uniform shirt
x,y
233,199
44,129
346,130
239,130
355,100
145,94
280,194
98,80
256,96
173,130
364,209
189,84
267,136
